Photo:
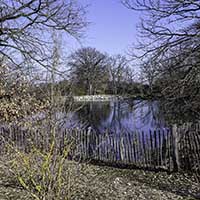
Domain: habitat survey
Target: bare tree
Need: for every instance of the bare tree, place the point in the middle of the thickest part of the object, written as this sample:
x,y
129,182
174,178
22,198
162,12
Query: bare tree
x,y
166,23
89,70
25,27
26,42
170,32
149,73
120,73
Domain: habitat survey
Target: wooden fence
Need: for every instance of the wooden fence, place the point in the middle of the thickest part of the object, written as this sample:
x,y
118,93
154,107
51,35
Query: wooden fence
x,y
169,149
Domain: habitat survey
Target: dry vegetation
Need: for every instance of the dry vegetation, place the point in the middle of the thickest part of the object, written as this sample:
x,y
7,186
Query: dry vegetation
x,y
95,182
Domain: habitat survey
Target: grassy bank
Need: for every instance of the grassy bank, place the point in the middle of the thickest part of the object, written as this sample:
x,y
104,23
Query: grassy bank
x,y
90,182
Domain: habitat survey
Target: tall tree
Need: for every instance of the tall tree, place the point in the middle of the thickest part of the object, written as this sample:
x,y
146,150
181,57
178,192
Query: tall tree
x,y
89,70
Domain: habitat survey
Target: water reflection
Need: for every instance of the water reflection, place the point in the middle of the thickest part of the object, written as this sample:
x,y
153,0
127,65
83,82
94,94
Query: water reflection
x,y
119,115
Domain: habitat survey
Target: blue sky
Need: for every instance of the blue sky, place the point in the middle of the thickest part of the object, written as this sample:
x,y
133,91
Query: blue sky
x,y
112,28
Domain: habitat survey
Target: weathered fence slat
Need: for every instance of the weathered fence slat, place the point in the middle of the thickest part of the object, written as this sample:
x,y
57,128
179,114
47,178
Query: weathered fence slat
x,y
151,149
173,149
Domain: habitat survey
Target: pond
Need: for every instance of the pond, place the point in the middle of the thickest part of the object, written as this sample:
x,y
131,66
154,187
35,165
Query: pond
x,y
129,115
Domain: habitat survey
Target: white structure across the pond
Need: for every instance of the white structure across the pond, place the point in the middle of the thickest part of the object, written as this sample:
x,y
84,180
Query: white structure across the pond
x,y
97,98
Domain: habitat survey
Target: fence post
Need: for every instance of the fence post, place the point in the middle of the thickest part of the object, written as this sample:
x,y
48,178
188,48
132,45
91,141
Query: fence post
x,y
89,144
175,139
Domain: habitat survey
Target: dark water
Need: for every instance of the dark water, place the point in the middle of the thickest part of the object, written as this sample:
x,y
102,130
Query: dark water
x,y
132,115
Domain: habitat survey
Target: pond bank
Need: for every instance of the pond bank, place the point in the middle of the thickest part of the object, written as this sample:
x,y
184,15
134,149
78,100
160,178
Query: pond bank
x,y
107,183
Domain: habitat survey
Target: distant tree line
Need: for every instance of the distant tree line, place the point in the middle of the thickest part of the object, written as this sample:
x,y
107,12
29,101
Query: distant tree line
x,y
92,72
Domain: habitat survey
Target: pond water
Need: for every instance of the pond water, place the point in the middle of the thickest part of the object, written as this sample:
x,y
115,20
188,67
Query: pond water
x,y
130,115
